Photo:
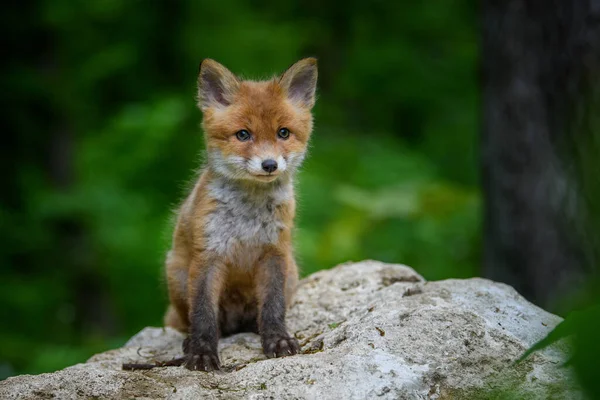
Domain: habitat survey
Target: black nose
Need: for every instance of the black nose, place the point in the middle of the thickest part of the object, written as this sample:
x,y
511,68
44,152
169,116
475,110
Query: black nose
x,y
269,165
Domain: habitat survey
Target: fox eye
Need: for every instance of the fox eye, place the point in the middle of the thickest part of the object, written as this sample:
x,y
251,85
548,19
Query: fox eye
x,y
243,135
284,133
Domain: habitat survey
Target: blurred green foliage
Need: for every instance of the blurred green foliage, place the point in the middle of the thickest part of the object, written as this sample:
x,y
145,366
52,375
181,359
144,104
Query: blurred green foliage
x,y
581,329
107,139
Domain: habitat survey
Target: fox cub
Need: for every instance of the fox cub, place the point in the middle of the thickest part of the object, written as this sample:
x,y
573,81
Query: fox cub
x,y
231,266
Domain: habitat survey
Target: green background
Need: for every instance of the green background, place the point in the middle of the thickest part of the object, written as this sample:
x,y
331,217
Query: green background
x,y
101,97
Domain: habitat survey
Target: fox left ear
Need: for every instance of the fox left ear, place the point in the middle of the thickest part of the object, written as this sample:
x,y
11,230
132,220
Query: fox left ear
x,y
300,82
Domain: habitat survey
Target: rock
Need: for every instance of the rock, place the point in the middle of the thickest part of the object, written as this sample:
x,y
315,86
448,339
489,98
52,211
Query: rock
x,y
366,329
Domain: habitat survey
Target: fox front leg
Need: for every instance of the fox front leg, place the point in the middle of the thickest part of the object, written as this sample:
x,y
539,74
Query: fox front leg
x,y
276,341
201,345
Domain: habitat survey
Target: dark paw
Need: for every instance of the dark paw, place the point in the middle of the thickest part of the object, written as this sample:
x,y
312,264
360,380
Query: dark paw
x,y
280,346
202,362
200,356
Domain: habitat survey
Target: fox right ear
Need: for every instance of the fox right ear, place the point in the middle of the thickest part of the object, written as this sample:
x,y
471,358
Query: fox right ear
x,y
216,85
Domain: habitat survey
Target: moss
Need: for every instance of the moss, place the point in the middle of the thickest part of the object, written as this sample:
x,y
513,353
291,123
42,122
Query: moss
x,y
509,384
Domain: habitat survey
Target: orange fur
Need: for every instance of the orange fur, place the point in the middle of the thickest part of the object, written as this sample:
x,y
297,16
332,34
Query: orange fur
x,y
236,277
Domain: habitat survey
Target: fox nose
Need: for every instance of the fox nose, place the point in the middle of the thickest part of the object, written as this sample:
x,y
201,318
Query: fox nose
x,y
269,165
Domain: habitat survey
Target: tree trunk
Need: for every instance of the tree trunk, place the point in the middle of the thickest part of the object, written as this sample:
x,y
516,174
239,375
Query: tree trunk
x,y
537,58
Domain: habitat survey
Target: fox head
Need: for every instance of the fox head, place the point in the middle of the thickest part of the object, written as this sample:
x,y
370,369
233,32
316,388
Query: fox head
x,y
256,131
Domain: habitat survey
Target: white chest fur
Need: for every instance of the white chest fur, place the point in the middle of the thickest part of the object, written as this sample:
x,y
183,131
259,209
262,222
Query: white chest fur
x,y
245,218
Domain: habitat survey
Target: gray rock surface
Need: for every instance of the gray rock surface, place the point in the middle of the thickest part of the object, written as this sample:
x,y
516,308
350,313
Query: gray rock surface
x,y
367,330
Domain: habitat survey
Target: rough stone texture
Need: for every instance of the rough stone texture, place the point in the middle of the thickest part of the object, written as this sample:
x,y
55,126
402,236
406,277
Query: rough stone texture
x,y
367,330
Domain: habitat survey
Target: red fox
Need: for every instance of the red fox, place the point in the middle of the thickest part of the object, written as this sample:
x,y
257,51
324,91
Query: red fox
x,y
231,266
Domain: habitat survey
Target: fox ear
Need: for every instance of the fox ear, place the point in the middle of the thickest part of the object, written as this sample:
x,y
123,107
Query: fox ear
x,y
216,85
300,82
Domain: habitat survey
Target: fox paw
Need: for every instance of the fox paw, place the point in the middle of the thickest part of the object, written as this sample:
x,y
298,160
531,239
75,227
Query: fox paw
x,y
202,362
280,346
200,357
